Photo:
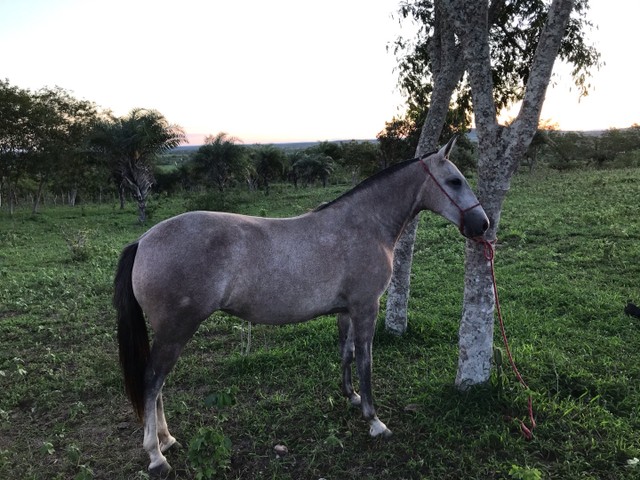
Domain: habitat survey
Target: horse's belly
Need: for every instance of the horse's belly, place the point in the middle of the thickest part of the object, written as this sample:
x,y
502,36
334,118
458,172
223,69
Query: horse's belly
x,y
278,307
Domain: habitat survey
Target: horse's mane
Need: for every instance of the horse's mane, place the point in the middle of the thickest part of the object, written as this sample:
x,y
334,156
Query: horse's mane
x,y
367,182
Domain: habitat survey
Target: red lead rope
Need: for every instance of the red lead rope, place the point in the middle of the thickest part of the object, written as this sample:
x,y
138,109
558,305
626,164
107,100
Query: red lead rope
x,y
489,254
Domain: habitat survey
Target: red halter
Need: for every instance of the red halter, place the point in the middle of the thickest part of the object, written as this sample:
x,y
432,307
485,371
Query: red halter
x,y
460,209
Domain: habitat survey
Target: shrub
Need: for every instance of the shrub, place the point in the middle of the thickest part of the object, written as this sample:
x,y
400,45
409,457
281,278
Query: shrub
x,y
209,453
78,243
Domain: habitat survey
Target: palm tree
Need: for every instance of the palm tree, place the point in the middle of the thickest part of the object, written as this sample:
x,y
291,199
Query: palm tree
x,y
269,163
129,144
314,166
220,160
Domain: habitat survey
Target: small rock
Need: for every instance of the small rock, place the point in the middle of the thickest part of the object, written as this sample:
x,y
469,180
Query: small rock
x,y
280,450
412,408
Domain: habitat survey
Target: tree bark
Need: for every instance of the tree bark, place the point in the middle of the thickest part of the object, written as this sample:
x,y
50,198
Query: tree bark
x,y
38,196
120,187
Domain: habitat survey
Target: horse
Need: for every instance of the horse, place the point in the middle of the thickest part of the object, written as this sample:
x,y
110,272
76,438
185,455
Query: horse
x,y
336,259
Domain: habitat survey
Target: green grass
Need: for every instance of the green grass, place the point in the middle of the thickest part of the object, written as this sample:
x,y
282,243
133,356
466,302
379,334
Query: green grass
x,y
567,261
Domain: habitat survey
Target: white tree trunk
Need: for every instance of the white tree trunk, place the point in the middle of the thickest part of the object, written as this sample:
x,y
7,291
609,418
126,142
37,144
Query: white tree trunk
x,y
448,69
475,334
398,292
500,150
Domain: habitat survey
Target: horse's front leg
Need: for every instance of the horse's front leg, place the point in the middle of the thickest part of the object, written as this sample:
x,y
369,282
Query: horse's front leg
x,y
364,328
347,353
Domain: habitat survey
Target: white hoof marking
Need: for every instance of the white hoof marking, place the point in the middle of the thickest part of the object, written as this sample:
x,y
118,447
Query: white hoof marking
x,y
167,444
378,428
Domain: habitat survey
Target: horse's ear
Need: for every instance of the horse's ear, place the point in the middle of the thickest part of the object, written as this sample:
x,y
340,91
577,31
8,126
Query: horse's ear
x,y
446,150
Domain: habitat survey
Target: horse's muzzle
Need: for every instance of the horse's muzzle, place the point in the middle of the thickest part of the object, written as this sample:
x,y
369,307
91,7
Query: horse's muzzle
x,y
474,223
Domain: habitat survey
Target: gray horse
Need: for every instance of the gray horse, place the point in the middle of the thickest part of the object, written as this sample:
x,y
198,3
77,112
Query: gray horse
x,y
335,259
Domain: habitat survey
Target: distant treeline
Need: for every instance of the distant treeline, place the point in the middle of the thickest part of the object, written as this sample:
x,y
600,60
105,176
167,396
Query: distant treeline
x,y
56,149
613,148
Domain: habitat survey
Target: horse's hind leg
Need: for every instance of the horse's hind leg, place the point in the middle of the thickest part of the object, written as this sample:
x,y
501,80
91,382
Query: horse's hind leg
x,y
164,437
156,434
347,352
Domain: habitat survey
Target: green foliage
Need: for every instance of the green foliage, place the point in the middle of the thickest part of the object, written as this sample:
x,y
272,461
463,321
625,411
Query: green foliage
x,y
618,148
42,141
514,30
362,157
220,161
129,144
312,167
269,163
399,138
215,200
525,473
79,245
222,399
209,453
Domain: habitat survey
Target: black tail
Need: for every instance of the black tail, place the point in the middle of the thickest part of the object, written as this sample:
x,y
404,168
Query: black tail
x,y
133,339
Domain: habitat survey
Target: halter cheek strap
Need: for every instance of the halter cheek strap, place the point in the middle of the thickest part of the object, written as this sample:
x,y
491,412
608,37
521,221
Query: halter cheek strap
x,y
446,194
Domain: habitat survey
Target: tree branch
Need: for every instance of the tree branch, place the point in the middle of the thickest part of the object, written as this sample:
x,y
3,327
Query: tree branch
x,y
528,117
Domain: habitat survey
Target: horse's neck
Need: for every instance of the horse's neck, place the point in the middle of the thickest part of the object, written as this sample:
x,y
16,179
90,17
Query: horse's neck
x,y
389,204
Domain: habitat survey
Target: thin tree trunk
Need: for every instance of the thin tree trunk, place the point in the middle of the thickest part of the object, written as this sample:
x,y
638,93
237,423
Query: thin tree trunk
x,y
398,292
36,200
142,211
448,69
121,196
12,199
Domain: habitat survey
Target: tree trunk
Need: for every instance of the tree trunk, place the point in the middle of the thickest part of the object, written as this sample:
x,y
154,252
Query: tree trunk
x,y
12,199
36,200
398,292
142,210
500,151
448,69
120,187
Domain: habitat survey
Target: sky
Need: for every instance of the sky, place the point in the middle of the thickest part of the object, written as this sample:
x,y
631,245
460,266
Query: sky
x,y
276,71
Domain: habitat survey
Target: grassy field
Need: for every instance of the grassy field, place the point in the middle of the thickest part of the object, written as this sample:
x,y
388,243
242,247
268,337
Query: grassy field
x,y
567,261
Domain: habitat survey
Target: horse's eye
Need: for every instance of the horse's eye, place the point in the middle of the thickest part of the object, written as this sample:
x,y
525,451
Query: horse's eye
x,y
454,182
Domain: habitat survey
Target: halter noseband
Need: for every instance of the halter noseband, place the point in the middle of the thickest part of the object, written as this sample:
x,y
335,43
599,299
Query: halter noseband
x,y
460,209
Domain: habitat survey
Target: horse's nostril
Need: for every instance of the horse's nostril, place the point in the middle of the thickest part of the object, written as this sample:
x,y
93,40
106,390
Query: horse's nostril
x,y
485,226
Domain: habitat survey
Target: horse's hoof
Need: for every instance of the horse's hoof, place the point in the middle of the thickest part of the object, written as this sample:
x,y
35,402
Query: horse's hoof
x,y
379,429
161,470
171,444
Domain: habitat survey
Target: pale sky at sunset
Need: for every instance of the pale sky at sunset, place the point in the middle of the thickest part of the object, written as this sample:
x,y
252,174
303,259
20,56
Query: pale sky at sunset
x,y
275,71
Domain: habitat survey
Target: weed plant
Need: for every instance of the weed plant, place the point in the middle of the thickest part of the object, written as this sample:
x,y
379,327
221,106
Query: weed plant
x,y
568,258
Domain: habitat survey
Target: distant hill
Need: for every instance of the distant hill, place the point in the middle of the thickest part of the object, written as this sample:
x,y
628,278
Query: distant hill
x,y
289,146
292,146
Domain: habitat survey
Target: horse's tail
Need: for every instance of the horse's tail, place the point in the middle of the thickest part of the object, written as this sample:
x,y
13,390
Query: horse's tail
x,y
133,339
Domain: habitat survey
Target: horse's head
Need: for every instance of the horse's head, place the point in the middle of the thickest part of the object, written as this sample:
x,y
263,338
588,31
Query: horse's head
x,y
451,195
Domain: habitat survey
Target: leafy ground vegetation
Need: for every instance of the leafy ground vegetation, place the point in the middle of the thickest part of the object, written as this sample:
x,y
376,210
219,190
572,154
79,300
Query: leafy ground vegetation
x,y
567,261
